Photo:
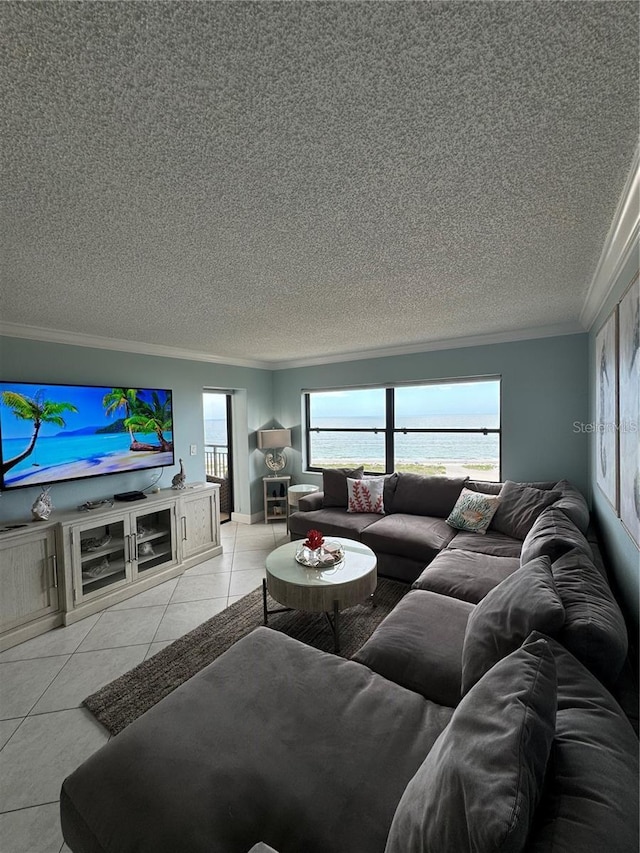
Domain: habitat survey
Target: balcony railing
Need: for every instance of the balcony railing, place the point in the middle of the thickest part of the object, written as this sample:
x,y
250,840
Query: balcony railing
x,y
216,460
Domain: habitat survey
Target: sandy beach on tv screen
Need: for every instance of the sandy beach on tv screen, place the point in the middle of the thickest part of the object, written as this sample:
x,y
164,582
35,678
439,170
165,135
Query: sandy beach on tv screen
x,y
114,463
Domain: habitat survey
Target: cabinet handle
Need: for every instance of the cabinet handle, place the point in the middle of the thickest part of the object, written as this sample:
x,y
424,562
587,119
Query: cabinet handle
x,y
134,536
127,542
54,563
184,528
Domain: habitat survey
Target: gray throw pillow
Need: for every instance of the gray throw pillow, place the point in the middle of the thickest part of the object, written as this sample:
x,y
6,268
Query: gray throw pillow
x,y
594,629
519,507
334,485
480,784
526,601
572,504
554,534
434,496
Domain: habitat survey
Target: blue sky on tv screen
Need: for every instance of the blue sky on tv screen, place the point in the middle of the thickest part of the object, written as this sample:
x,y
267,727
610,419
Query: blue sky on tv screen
x,y
87,400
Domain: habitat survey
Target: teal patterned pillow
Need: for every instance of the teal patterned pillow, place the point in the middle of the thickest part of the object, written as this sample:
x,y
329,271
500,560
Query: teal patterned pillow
x,y
473,511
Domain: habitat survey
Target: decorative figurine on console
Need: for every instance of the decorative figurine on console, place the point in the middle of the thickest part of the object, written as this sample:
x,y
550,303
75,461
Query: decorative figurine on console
x,y
180,479
42,506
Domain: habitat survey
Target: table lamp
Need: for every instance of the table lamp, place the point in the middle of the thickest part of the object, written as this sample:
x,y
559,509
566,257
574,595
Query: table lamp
x,y
274,440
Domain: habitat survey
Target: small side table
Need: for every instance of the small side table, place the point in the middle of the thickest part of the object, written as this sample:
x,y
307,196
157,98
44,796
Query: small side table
x,y
276,506
295,493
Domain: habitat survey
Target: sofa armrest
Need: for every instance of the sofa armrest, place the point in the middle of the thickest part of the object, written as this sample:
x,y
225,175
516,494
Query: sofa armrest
x,y
308,503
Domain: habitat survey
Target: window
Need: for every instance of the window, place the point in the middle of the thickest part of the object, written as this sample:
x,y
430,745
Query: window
x,y
450,428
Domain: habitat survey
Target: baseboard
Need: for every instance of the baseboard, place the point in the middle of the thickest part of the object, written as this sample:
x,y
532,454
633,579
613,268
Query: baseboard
x,y
243,518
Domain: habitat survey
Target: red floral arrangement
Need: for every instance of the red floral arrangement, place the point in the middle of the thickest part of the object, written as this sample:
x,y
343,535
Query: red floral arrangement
x,y
314,540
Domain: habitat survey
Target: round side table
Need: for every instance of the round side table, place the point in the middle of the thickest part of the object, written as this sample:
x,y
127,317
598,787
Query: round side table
x,y
294,493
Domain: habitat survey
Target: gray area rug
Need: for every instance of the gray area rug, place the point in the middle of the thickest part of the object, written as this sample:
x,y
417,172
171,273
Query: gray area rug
x,y
121,701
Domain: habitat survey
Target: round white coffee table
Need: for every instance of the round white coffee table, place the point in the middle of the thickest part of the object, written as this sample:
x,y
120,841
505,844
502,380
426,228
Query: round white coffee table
x,y
326,591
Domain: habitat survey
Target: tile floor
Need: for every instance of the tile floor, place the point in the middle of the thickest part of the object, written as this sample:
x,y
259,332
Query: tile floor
x,y
45,733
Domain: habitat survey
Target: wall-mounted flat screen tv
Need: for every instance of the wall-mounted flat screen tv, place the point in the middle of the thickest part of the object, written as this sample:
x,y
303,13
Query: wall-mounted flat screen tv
x,y
54,433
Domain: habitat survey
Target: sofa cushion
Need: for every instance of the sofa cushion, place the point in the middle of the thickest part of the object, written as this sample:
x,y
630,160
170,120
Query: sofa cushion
x,y
331,522
466,575
273,741
594,629
496,544
483,486
365,495
473,511
572,504
419,495
479,786
334,485
526,601
554,534
311,501
412,536
419,645
590,797
520,505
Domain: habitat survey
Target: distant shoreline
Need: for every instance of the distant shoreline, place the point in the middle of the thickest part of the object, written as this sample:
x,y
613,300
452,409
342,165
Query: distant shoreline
x,y
475,469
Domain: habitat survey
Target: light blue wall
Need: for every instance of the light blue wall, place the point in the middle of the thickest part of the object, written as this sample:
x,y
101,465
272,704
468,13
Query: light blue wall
x,y
34,361
623,559
544,391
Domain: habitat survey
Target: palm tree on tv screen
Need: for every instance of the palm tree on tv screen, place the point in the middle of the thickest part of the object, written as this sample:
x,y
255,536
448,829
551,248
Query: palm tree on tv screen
x,y
35,409
151,417
121,398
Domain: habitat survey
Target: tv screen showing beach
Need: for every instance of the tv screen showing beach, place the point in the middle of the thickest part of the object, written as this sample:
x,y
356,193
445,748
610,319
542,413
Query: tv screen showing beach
x,y
53,433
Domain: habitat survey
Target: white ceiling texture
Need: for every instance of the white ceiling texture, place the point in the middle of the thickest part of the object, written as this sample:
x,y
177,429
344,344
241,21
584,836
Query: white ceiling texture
x,y
265,182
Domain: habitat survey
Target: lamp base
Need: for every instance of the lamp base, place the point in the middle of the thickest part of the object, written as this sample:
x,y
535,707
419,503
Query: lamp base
x,y
275,461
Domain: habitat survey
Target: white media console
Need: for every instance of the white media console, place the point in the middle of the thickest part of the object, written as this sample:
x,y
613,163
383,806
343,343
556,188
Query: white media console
x,y
58,571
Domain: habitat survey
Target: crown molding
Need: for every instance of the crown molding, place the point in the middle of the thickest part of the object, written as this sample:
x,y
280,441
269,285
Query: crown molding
x,y
14,330
431,346
621,241
57,336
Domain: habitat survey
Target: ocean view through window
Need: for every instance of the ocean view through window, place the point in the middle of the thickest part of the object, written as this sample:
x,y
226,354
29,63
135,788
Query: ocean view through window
x,y
451,428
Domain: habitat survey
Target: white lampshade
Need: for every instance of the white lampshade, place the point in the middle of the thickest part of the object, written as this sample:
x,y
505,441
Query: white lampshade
x,y
268,438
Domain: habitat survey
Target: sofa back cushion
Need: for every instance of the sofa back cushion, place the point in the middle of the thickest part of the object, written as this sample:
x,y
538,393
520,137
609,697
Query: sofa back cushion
x,y
478,787
590,797
594,629
553,534
520,505
334,485
572,504
418,495
526,601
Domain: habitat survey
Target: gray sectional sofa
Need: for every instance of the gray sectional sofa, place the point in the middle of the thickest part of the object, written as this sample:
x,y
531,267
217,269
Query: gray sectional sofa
x,y
413,529
476,717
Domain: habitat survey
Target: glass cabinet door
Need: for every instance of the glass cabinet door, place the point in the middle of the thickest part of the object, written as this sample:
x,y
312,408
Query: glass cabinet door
x,y
154,538
104,557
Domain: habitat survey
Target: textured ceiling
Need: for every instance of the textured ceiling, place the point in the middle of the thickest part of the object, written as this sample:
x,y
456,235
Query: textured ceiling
x,y
274,181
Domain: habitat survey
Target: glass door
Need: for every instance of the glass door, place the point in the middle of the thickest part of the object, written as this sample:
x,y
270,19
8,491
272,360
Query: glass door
x,y
104,558
217,450
154,539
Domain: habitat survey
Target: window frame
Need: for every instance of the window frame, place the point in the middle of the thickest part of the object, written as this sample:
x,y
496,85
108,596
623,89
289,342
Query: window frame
x,y
390,430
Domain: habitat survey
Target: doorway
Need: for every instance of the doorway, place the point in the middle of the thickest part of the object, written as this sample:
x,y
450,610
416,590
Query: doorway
x,y
217,447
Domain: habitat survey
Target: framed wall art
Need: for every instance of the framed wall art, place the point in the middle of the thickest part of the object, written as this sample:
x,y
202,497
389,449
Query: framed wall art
x,y
607,410
629,408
